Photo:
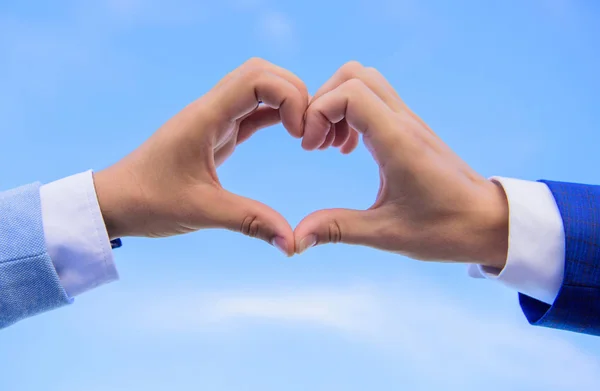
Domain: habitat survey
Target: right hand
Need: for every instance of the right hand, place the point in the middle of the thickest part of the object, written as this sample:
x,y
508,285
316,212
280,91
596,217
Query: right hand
x,y
431,205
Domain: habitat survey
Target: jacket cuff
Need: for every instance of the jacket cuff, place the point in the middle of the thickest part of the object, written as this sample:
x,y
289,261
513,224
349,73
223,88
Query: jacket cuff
x,y
29,284
577,305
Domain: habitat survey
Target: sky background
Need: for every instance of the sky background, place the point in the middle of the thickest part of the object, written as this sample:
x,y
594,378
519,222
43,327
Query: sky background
x,y
512,86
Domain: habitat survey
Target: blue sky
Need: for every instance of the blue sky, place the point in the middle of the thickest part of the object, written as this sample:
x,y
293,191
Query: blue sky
x,y
512,86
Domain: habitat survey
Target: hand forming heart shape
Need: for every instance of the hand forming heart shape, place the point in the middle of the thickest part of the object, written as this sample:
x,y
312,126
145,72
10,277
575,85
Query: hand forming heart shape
x,y
431,205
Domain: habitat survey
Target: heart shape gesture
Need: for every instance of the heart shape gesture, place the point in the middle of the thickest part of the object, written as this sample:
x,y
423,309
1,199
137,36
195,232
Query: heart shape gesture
x,y
431,205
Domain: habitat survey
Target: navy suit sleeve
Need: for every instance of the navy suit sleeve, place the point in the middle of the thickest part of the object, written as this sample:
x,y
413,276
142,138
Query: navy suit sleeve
x,y
577,305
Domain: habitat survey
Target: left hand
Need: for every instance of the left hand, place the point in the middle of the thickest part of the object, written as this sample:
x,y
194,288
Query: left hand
x,y
169,185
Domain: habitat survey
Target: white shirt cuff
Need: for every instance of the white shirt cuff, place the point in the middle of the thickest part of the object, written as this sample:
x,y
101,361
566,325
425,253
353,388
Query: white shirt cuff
x,y
536,242
76,237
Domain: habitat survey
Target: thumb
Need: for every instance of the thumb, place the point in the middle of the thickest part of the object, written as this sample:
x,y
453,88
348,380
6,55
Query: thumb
x,y
252,218
338,226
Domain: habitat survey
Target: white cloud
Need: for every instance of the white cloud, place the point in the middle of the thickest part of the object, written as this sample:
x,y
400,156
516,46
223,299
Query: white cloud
x,y
417,325
338,310
273,27
277,28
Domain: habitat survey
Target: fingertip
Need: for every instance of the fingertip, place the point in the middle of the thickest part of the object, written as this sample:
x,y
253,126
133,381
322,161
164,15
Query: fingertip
x,y
292,106
306,242
346,150
336,226
294,127
329,139
301,126
297,134
306,146
342,133
306,233
252,218
351,143
281,244
317,133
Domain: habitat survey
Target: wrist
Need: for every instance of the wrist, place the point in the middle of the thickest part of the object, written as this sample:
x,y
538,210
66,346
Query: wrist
x,y
488,229
116,203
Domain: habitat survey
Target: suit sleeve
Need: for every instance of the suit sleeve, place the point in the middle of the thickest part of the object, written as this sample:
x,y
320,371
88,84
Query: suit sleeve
x,y
577,305
29,284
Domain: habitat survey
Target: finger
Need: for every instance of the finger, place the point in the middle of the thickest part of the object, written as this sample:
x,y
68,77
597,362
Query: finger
x,y
329,138
350,144
370,76
379,84
251,218
262,118
363,111
241,95
372,79
400,105
339,77
260,63
342,133
337,226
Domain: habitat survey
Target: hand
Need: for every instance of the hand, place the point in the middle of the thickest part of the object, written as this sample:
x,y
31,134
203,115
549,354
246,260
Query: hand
x,y
431,205
169,185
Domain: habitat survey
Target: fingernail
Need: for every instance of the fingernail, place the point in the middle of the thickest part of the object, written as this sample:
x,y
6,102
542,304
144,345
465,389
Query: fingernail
x,y
279,243
306,243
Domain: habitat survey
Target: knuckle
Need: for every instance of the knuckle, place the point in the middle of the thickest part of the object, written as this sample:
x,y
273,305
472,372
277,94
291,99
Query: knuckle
x,y
303,90
351,69
254,74
334,232
252,78
372,71
255,62
207,114
356,87
250,226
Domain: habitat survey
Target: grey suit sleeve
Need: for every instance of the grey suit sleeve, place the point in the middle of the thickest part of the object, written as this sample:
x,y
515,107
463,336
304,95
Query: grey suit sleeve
x,y
29,284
